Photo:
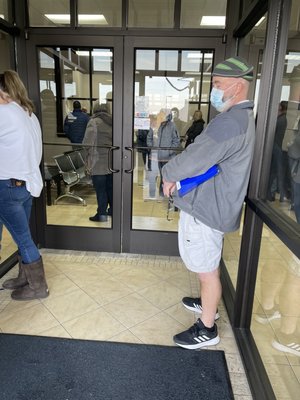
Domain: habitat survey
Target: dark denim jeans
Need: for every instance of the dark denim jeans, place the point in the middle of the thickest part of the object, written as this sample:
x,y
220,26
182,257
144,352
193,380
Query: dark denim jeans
x,y
296,187
15,209
103,185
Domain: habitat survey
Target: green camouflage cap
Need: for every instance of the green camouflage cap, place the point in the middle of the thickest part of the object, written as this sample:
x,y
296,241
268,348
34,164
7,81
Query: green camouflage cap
x,y
234,67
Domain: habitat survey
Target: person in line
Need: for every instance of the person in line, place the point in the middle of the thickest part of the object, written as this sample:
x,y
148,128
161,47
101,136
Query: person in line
x,y
277,170
179,123
195,129
294,159
167,138
20,180
215,207
75,123
141,141
98,134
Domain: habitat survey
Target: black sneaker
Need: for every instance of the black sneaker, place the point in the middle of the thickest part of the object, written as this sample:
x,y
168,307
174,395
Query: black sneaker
x,y
197,336
287,343
194,304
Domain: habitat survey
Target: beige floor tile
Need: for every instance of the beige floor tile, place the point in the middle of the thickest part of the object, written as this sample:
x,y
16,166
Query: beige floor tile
x,y
30,320
284,382
95,325
131,310
158,329
240,385
163,295
57,331
70,305
182,315
137,278
125,337
107,290
59,285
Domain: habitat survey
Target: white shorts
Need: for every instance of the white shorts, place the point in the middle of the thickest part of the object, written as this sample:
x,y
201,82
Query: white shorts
x,y
200,247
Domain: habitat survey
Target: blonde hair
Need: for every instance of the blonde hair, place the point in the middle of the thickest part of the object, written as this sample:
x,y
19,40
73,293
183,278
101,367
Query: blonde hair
x,y
12,88
197,115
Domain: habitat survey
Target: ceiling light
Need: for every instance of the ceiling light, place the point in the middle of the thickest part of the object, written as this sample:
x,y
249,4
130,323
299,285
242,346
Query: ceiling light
x,y
82,18
209,20
2,16
260,21
95,53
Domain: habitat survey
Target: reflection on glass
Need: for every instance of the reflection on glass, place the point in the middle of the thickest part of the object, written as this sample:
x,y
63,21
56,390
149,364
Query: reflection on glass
x,y
250,48
44,13
276,314
7,244
77,135
100,13
284,177
203,14
4,51
3,9
154,14
166,98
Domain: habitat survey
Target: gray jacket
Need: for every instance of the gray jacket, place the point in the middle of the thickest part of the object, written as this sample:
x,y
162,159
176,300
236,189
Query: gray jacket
x,y
228,141
98,133
167,136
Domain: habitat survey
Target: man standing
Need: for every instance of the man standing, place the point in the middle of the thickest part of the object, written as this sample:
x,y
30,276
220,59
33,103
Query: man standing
x,y
75,123
214,207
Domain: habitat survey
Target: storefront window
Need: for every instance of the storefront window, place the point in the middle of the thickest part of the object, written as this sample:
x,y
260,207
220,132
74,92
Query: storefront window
x,y
100,13
203,14
283,192
45,13
154,14
251,48
276,315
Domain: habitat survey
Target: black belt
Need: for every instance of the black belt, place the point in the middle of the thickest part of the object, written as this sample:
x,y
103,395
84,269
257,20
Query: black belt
x,y
17,182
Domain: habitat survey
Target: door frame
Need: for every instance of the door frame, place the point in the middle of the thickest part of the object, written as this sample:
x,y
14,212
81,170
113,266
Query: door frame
x,y
74,237
121,238
142,241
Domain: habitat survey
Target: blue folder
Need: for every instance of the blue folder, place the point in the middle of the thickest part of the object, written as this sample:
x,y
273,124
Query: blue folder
x,y
186,185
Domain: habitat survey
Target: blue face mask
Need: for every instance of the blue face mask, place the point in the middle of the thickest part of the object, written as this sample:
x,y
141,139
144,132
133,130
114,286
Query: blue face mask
x,y
216,99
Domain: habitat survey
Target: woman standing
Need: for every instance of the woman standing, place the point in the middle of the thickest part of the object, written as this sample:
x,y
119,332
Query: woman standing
x,y
195,129
20,180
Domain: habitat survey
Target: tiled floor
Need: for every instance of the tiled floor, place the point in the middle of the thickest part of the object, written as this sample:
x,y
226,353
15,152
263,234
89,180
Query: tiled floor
x,y
126,298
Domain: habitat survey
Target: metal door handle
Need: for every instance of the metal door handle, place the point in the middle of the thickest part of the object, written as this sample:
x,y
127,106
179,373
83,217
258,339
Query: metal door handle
x,y
110,166
129,171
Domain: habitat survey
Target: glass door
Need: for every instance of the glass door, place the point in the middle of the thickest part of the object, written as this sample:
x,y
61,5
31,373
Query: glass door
x,y
101,106
170,88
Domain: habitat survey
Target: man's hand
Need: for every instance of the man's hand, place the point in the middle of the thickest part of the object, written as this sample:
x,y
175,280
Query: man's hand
x,y
168,188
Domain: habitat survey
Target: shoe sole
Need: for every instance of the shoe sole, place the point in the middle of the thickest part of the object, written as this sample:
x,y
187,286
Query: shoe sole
x,y
199,311
266,320
285,349
196,346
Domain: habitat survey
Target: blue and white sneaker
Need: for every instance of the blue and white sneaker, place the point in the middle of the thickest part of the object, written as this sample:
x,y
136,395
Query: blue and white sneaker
x,y
197,336
194,304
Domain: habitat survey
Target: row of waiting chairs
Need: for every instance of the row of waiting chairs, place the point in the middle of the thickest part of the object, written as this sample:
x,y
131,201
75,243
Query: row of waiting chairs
x,y
72,168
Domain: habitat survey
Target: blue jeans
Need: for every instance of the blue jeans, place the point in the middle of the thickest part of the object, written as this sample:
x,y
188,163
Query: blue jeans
x,y
103,185
296,187
15,209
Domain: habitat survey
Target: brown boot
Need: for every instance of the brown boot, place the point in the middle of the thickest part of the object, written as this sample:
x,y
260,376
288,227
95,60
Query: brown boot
x,y
37,286
17,282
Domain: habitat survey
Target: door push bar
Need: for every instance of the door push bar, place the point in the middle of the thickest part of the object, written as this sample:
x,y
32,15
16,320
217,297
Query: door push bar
x,y
110,166
129,171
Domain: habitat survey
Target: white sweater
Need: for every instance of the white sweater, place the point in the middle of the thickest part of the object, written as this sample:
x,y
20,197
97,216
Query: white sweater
x,y
20,147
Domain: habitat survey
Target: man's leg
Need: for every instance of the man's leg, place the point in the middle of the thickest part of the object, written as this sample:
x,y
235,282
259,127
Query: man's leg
x,y
211,291
200,248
